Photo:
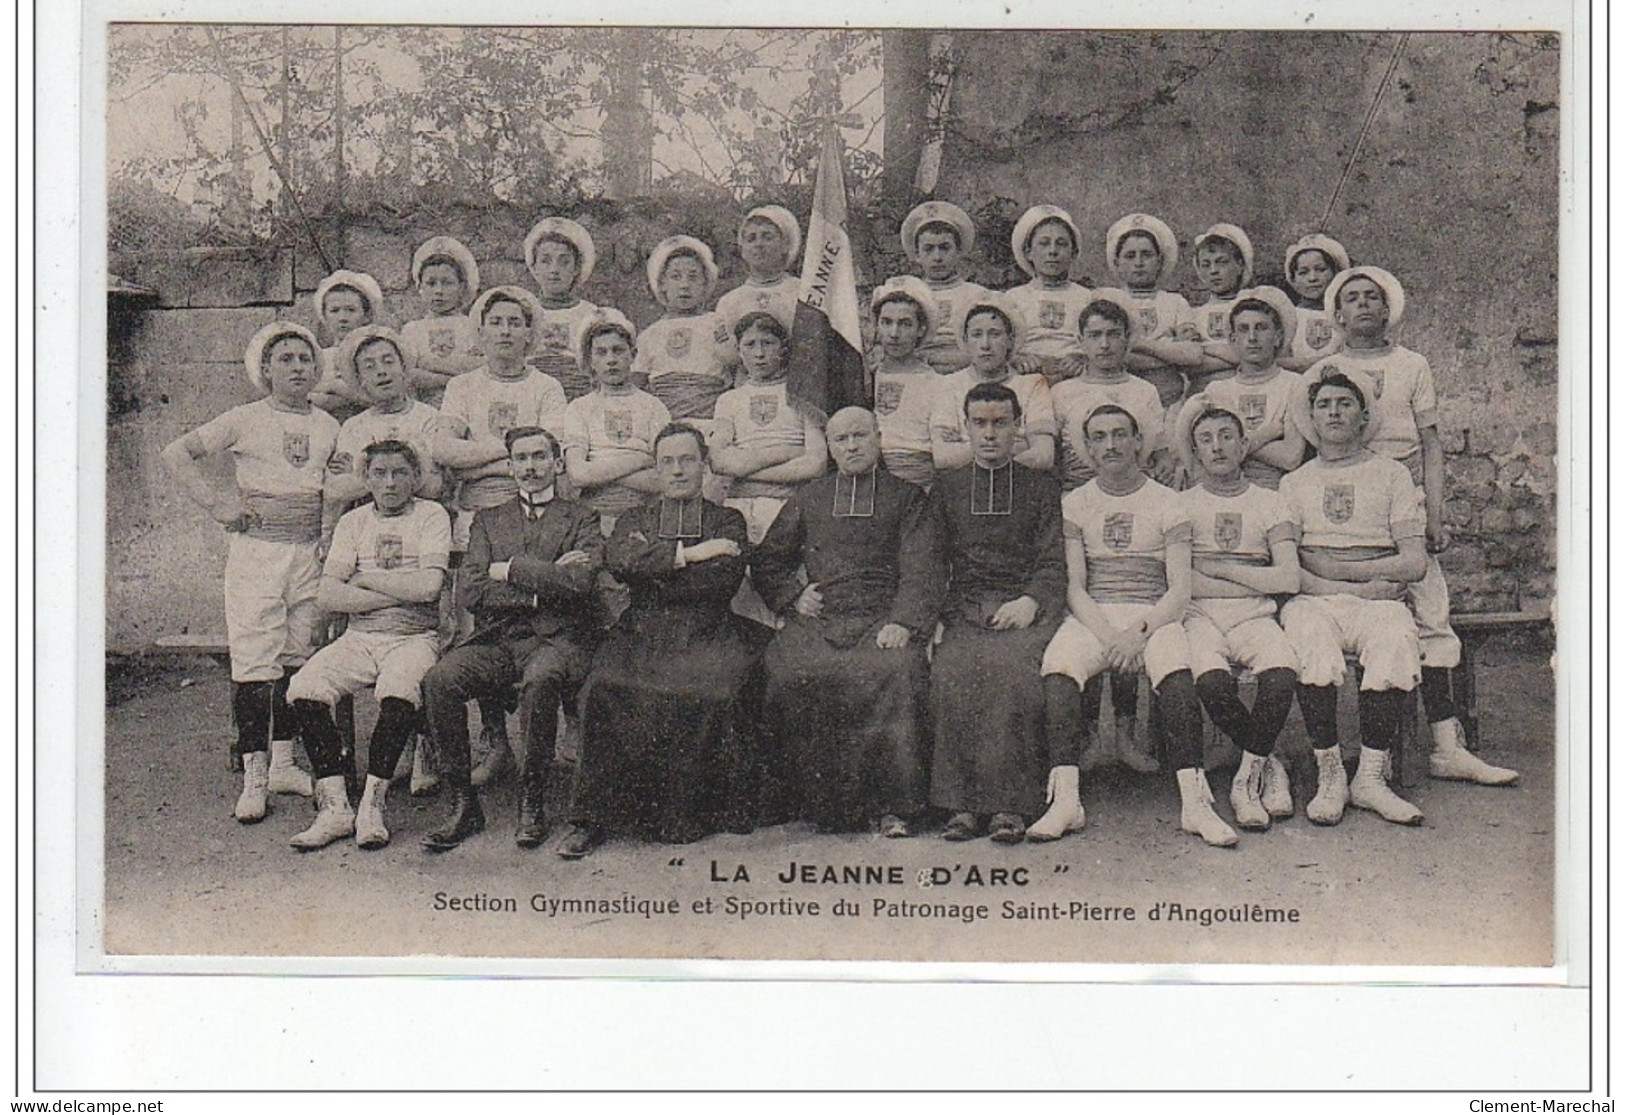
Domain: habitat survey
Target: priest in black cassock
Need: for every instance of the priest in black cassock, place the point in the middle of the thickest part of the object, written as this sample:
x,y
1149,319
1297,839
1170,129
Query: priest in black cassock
x,y
847,675
668,750
1000,524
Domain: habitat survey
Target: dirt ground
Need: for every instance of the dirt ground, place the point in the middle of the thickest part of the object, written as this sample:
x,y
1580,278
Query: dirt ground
x,y
1473,885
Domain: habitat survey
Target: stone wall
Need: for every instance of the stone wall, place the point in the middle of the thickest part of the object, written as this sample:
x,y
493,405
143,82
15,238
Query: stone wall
x,y
1455,190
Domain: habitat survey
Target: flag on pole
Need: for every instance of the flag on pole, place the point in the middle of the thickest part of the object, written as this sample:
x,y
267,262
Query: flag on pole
x,y
826,369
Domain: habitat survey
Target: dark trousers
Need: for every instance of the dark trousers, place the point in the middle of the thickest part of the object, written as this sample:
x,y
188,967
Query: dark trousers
x,y
546,671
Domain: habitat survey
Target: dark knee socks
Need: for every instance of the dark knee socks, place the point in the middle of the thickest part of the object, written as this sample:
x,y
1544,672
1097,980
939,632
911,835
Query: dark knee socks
x,y
1217,690
323,743
1181,715
251,703
1094,691
1381,713
1063,720
397,720
1255,730
283,721
1319,705
1437,698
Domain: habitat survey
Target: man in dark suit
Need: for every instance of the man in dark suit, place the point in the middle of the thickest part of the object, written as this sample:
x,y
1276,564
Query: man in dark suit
x,y
529,582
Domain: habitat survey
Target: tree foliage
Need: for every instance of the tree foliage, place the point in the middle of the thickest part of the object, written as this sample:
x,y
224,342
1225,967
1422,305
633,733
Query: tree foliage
x,y
276,125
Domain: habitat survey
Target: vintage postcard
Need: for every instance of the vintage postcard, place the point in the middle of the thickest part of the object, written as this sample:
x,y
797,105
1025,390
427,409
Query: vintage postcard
x,y
427,644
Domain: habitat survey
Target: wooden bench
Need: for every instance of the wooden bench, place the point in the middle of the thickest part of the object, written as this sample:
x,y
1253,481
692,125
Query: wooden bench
x,y
1474,629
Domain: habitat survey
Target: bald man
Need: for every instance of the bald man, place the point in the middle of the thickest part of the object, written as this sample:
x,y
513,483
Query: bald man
x,y
846,676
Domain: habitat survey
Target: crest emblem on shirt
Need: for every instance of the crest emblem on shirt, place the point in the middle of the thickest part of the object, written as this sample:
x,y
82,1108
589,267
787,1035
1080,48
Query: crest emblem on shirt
x,y
442,342
618,425
945,311
1337,501
888,394
1215,324
389,551
556,335
1319,333
296,448
1252,409
763,409
1051,315
1227,531
720,334
1118,530
501,418
678,342
1148,319
1376,376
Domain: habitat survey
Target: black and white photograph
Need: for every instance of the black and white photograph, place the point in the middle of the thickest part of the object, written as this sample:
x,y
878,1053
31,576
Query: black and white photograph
x,y
1063,504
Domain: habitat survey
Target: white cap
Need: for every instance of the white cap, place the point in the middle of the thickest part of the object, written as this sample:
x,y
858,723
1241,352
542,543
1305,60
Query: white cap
x,y
915,291
1236,236
668,247
1298,403
509,294
356,280
946,212
1028,224
254,355
447,246
995,300
1167,243
573,234
603,315
1315,242
1390,287
345,364
785,221
1277,300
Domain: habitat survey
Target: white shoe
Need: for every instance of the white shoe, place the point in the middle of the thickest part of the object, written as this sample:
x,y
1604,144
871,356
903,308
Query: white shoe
x,y
1065,812
1452,761
1369,790
285,777
251,803
1131,748
335,820
1332,788
1277,793
369,815
1245,791
1196,815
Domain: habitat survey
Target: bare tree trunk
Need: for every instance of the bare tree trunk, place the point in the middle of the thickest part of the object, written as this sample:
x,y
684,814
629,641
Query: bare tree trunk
x,y
628,133
338,119
906,65
284,141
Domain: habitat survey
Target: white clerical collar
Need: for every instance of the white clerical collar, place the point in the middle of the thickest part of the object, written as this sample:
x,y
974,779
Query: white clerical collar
x,y
993,490
854,496
680,518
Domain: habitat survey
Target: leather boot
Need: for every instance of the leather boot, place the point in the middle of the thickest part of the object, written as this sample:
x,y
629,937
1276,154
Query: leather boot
x,y
532,828
467,818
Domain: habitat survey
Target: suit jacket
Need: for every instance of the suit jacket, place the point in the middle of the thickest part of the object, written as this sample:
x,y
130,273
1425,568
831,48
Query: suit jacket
x,y
539,599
